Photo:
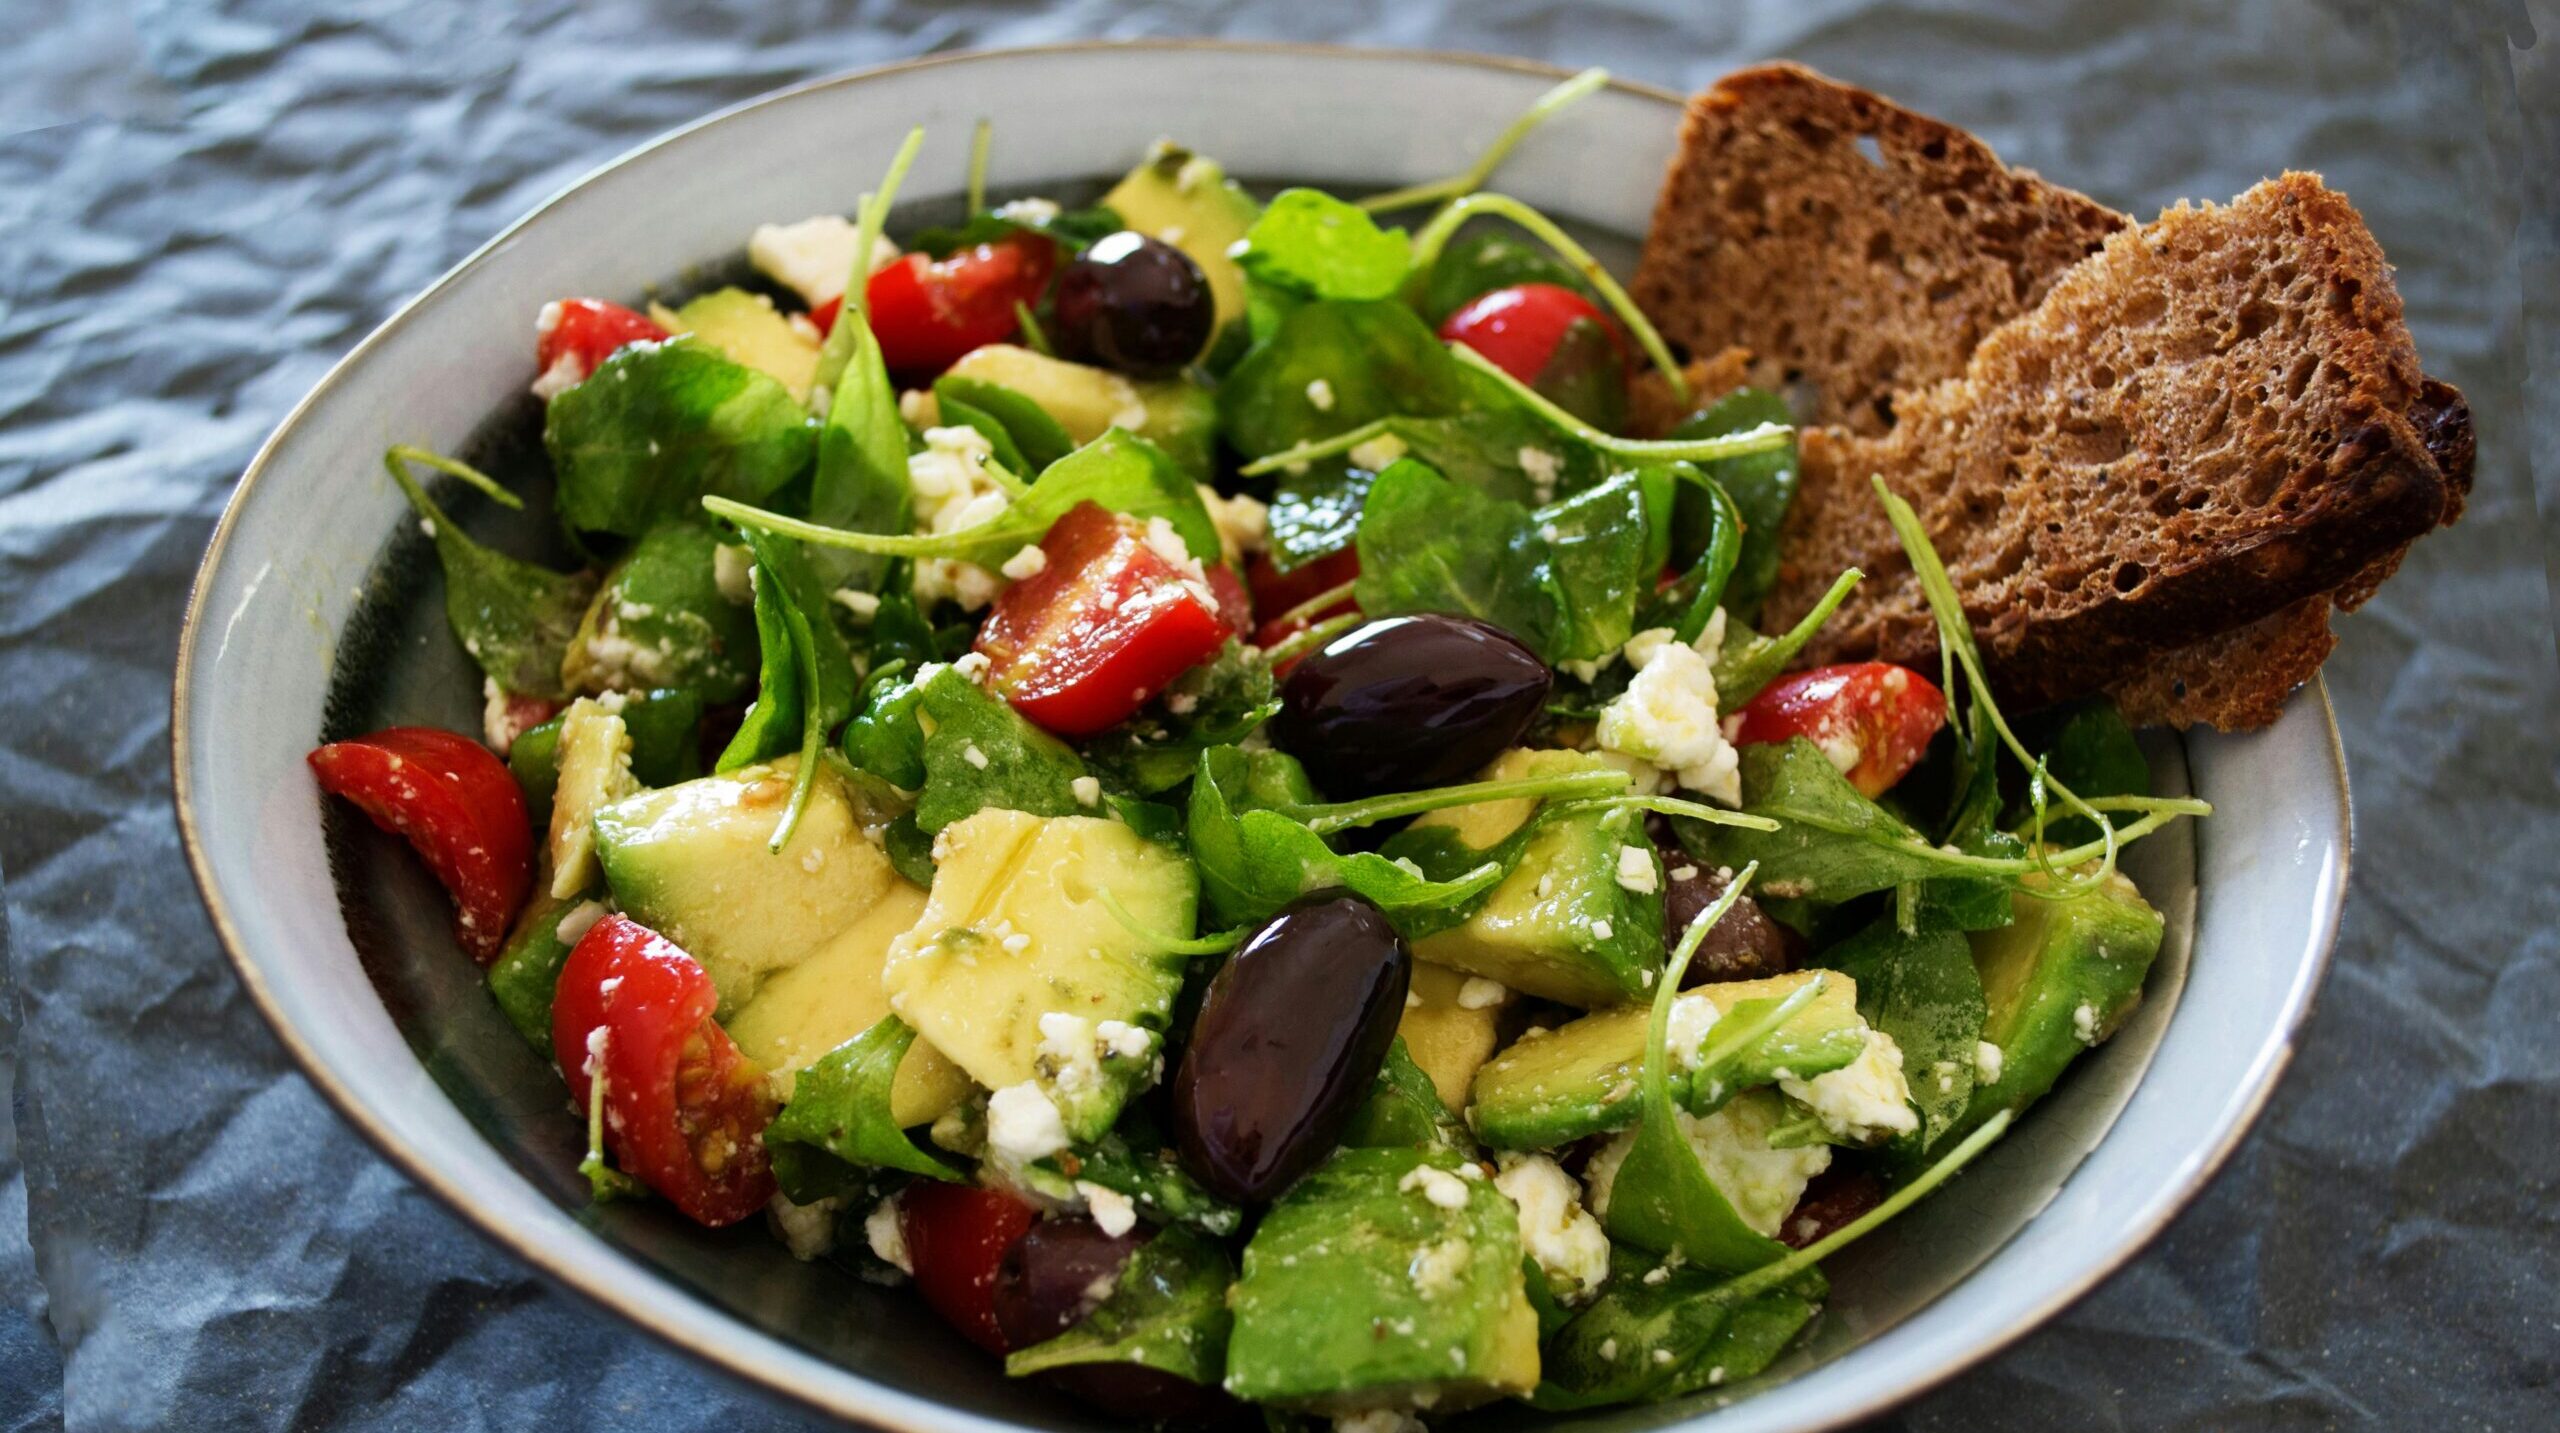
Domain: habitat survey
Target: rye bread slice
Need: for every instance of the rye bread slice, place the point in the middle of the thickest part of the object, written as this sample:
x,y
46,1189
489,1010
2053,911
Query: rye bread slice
x,y
1859,246
2207,422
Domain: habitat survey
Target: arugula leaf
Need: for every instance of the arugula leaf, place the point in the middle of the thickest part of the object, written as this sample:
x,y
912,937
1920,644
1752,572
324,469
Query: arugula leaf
x,y
2089,748
773,721
1484,258
1376,358
818,649
1077,229
1656,1333
840,1106
1923,991
1167,1311
1254,860
1309,242
1217,703
1749,661
1023,423
658,425
514,617
1762,486
1831,843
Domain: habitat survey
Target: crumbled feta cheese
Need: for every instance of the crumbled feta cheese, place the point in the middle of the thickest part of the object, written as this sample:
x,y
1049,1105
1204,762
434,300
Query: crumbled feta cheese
x,y
1667,715
1986,1062
1609,1349
1761,1183
1242,521
1114,1211
1685,1034
1603,930
974,666
1066,1053
1124,1040
1554,1227
1087,789
807,1230
1376,454
1636,870
1438,1267
1437,1185
565,373
953,493
580,919
1865,1101
497,717
1543,469
863,605
1023,1125
1029,562
2084,1023
814,257
887,1236
1319,395
1033,210
733,571
1378,1420
973,756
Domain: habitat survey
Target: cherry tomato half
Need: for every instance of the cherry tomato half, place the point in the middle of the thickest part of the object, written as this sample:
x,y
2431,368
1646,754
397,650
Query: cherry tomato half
x,y
1873,719
957,1235
586,332
927,312
1519,327
684,1112
1106,624
456,805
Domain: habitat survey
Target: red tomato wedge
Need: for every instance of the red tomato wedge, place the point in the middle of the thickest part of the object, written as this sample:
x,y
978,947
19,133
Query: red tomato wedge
x,y
586,332
1873,719
684,1112
956,1236
1277,593
1103,627
456,805
1519,327
927,312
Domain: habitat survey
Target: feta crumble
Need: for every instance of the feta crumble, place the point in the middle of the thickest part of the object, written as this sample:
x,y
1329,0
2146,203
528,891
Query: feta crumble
x,y
1087,789
1243,522
814,257
1023,1125
1319,395
1114,1211
953,493
1987,1058
1865,1101
2084,1023
1029,562
1438,1185
807,1230
1667,715
1762,1184
1636,871
1554,1227
1481,994
887,1236
1378,453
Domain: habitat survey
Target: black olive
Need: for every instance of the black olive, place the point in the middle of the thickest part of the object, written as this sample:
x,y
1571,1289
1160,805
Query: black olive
x,y
1745,945
1408,702
1132,303
1056,1274
1290,1037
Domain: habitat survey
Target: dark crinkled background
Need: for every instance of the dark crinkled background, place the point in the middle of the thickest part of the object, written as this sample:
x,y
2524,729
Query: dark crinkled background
x,y
202,206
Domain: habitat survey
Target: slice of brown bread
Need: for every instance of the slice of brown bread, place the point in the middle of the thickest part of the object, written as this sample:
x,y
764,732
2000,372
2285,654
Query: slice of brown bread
x,y
1861,247
2205,423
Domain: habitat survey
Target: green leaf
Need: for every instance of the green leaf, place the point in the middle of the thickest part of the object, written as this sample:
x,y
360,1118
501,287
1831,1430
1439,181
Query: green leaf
x,y
1316,513
659,425
861,481
1077,229
1217,703
1923,991
2089,748
1025,424
515,618
1485,257
661,620
1309,242
665,726
1832,843
1254,860
774,721
1655,1333
818,648
840,1106
1586,375
1133,1159
1762,486
1167,1311
1749,661
981,752
1375,360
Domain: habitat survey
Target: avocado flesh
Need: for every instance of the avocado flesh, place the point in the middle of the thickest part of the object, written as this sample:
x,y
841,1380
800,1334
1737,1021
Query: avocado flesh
x,y
1177,416
805,1012
693,862
1448,1040
595,772
1561,925
2057,980
1551,1088
1016,929
749,329
1361,1292
1188,201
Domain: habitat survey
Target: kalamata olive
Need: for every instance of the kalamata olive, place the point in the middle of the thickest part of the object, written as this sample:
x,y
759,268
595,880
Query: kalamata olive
x,y
1132,303
1408,702
1055,1275
1745,945
1290,1037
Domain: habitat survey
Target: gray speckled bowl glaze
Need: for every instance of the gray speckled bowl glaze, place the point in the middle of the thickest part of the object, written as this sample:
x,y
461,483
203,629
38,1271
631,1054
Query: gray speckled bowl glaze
x,y
318,609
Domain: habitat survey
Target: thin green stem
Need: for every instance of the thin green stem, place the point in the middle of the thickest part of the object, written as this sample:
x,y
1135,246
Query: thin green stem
x,y
403,453
1544,108
1034,337
889,544
1311,638
1215,943
1694,810
979,139
1768,437
1658,1029
1312,450
1435,236
1755,666
1327,817
1306,611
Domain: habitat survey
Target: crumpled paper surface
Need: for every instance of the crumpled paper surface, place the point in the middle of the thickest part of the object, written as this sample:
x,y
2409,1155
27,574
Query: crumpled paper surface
x,y
202,206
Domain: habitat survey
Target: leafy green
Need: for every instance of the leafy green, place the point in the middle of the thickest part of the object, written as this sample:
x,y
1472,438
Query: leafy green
x,y
840,1106
662,619
1749,661
1832,843
2089,748
1309,242
1316,513
1405,1108
1023,422
826,678
1254,859
1485,258
659,425
1923,991
1133,1159
1217,703
981,753
773,721
1376,359
1167,1311
514,617
1077,229
1762,486
1586,374
664,725
1658,1332
861,482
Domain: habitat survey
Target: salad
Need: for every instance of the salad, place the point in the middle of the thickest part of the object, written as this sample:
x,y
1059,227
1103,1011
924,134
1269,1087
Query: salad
x,y
1165,773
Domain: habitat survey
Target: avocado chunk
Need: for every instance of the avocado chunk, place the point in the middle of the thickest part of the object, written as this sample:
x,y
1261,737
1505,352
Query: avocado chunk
x,y
749,329
803,1013
1450,1029
1553,1087
1384,1279
1579,919
595,771
665,728
527,972
661,620
1187,200
1020,972
694,863
1176,416
2056,980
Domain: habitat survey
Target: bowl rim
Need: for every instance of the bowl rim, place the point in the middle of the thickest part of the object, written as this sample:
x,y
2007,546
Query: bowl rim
x,y
673,1330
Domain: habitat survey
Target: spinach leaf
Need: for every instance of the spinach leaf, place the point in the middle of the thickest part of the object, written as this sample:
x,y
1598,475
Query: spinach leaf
x,y
773,721
818,648
514,617
1586,375
1375,359
658,425
1762,485
1254,860
2088,747
1217,703
861,482
1405,1109
840,1106
1759,1329
1316,513
1923,991
1133,1159
1486,257
1167,1311
1023,423
981,753
661,620
1831,843
1656,1333
1309,242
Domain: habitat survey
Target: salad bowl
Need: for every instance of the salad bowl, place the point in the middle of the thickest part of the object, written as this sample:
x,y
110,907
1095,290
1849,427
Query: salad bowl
x,y
315,610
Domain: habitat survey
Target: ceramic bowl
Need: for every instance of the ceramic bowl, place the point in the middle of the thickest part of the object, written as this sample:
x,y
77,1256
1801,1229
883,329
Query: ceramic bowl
x,y
318,610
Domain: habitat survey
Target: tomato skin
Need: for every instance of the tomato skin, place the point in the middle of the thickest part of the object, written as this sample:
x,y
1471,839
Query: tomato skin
x,y
927,312
1883,713
1088,639
1276,593
1235,599
588,331
957,1235
458,808
684,1111
1519,327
